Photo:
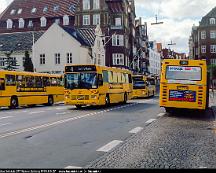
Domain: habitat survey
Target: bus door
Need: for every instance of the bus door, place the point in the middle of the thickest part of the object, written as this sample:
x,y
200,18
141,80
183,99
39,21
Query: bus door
x,y
2,85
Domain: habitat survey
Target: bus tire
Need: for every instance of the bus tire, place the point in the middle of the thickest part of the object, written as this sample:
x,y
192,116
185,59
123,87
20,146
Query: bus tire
x,y
125,98
170,110
14,102
50,101
78,106
107,100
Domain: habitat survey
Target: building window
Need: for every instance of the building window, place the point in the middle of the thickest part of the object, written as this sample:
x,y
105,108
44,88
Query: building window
x,y
9,24
57,21
96,19
72,8
213,34
13,12
21,23
30,24
96,4
117,40
203,34
203,49
213,61
43,21
213,48
45,10
42,59
56,8
86,4
86,19
118,59
2,62
19,11
57,58
34,10
66,20
69,58
118,21
212,21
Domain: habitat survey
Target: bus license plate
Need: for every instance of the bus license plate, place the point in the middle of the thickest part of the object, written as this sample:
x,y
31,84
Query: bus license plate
x,y
182,88
182,96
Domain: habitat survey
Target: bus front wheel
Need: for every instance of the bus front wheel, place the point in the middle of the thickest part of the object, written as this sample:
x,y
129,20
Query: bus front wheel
x,y
78,106
13,103
50,101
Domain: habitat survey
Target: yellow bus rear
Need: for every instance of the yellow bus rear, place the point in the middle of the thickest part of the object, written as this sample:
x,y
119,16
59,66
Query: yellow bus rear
x,y
96,85
27,88
184,85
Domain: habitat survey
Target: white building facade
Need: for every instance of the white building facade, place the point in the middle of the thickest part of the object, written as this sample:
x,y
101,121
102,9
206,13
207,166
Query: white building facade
x,y
58,47
154,61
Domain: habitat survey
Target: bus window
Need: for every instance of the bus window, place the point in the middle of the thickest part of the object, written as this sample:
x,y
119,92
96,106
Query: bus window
x,y
53,81
46,81
2,84
105,77
20,81
100,80
110,76
115,79
30,81
126,78
38,82
119,77
123,78
10,80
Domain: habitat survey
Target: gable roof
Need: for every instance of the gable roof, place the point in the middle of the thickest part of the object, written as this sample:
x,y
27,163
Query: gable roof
x,y
65,7
205,19
85,36
22,41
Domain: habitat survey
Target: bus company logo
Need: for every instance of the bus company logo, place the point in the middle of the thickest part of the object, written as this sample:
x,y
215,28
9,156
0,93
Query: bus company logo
x,y
176,69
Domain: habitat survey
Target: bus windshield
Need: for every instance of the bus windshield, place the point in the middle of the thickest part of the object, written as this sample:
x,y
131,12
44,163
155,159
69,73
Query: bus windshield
x,y
183,73
139,84
81,81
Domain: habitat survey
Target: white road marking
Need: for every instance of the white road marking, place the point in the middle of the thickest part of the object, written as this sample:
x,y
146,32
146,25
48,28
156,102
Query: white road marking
x,y
201,167
150,121
1,118
161,114
73,167
1,125
61,113
109,146
136,130
38,112
60,108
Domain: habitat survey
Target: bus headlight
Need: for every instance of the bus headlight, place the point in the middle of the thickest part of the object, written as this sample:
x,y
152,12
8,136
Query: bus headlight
x,y
66,96
93,96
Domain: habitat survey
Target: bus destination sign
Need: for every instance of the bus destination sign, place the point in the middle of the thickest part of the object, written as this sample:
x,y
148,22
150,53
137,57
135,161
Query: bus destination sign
x,y
80,68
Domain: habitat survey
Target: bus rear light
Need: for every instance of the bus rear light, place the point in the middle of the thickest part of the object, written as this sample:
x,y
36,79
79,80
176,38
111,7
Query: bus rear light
x,y
199,103
200,87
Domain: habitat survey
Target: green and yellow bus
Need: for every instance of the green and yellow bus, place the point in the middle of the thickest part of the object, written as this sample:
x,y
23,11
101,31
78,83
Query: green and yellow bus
x,y
184,85
96,85
28,88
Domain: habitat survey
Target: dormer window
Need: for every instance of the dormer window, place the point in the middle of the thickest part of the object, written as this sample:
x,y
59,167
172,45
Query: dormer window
x,y
9,24
34,10
86,4
30,24
43,21
66,20
13,12
212,21
21,23
72,8
45,10
19,11
56,8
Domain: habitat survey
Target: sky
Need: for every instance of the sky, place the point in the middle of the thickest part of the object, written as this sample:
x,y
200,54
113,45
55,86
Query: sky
x,y
178,17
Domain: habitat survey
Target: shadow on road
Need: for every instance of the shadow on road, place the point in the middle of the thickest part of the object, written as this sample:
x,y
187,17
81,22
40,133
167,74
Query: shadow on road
x,y
207,115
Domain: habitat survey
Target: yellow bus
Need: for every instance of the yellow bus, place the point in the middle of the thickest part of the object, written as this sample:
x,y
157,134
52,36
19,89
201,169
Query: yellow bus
x,y
96,85
143,86
184,85
28,88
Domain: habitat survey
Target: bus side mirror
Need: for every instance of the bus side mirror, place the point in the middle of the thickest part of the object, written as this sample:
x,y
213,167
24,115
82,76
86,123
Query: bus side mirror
x,y
100,80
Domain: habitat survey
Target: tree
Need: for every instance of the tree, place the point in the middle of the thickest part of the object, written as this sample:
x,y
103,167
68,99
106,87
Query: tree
x,y
28,65
10,62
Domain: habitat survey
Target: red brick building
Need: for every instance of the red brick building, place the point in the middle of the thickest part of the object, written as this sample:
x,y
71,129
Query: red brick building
x,y
203,38
28,15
